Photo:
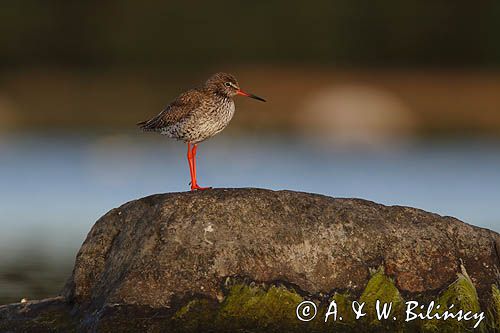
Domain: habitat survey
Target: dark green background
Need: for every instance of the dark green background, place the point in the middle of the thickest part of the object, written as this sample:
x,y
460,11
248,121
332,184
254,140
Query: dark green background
x,y
197,34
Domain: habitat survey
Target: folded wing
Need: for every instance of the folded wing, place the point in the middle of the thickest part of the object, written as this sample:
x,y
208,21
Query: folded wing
x,y
173,113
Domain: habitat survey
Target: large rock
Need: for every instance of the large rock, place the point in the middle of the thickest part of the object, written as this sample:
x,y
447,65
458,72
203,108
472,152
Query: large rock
x,y
230,259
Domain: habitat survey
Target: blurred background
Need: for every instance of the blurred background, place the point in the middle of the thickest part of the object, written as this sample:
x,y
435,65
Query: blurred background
x,y
395,102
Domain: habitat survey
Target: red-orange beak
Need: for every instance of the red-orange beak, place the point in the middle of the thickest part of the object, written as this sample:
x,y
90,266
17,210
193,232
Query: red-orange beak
x,y
242,93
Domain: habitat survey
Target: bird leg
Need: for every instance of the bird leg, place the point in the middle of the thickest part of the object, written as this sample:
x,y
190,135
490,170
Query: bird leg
x,y
190,161
191,155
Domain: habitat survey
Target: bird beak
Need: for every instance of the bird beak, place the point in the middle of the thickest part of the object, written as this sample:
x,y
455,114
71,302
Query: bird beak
x,y
242,93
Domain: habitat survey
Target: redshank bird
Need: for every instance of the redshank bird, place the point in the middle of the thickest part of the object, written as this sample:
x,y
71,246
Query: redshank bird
x,y
197,115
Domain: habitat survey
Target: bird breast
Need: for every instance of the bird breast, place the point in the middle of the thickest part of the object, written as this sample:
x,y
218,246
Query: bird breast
x,y
218,117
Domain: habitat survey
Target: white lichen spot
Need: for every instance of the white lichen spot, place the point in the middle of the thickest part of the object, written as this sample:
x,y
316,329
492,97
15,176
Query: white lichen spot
x,y
24,300
208,228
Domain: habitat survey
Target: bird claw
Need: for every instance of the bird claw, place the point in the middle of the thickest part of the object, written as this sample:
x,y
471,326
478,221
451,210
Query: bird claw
x,y
199,188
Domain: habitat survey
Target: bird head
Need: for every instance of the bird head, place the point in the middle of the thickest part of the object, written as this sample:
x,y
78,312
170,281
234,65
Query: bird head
x,y
227,85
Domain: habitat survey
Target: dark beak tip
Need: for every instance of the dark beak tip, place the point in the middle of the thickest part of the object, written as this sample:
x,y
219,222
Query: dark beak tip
x,y
258,98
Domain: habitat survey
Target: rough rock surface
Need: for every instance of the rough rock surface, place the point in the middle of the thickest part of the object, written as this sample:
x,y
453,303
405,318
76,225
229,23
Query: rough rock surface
x,y
154,250
161,252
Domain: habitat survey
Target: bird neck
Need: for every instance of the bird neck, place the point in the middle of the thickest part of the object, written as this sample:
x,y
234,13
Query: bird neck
x,y
219,95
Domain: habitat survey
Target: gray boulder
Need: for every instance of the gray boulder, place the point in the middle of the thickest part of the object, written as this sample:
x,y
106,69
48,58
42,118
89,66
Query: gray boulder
x,y
243,259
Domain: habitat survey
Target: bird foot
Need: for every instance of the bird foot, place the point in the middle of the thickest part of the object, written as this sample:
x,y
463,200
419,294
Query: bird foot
x,y
197,187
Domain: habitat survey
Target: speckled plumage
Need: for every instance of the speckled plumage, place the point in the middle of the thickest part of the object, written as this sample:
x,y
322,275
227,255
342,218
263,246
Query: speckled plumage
x,y
197,114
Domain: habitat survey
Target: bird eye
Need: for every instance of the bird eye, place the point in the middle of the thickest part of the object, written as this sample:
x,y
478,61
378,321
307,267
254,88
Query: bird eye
x,y
227,84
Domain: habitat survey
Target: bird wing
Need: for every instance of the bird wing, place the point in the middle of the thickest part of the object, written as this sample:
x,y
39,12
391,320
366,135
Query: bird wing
x,y
175,112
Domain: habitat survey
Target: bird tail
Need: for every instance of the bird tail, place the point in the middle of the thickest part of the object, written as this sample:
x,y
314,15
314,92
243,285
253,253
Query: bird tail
x,y
143,125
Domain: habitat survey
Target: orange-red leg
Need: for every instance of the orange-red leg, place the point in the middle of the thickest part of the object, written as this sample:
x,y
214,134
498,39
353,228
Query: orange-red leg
x,y
191,155
190,161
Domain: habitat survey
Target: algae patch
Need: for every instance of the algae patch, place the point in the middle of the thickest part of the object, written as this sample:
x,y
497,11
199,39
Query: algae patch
x,y
245,306
255,307
460,295
494,310
381,290
254,303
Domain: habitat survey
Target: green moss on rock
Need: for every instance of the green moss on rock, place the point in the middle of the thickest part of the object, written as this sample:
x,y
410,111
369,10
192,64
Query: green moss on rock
x,y
494,310
256,306
381,288
196,316
274,308
344,302
244,306
462,294
260,308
